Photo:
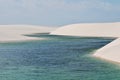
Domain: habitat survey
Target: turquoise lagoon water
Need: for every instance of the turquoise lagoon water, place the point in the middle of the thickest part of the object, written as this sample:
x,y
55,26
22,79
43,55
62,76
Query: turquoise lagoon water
x,y
56,58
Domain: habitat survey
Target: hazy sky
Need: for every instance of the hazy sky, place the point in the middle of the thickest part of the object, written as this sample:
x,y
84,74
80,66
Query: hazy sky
x,y
58,12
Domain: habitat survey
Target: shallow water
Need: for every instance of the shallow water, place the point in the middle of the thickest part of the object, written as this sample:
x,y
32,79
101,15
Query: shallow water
x,y
57,58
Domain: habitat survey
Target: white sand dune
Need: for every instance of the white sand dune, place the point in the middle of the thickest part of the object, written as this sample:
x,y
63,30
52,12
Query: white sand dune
x,y
11,33
90,30
109,52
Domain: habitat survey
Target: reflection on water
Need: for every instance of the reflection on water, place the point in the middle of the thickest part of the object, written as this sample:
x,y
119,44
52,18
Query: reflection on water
x,y
57,58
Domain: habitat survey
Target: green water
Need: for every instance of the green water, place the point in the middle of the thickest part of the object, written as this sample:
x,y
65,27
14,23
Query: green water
x,y
56,58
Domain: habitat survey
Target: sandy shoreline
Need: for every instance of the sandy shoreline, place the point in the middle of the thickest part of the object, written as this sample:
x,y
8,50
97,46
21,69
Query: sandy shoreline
x,y
111,51
13,33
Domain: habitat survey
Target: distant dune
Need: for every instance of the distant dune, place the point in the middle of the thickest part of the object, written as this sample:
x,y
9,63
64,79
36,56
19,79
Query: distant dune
x,y
109,52
11,33
90,30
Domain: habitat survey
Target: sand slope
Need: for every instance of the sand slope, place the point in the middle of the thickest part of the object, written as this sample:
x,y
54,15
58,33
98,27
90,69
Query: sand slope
x,y
109,52
13,33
